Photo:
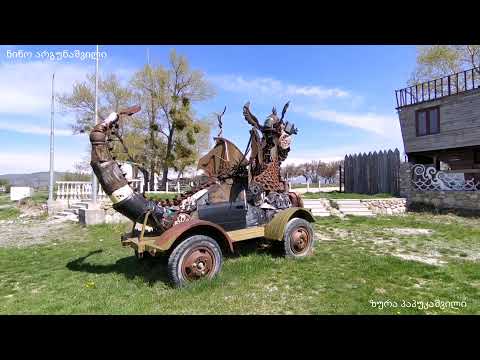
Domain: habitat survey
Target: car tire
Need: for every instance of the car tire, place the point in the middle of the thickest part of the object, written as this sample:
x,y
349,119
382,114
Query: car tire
x,y
196,257
298,239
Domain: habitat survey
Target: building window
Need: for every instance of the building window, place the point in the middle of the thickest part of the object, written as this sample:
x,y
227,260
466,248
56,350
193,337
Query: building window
x,y
428,121
476,157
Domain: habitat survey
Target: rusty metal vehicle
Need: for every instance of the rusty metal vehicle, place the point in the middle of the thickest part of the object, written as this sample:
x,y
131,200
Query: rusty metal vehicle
x,y
242,199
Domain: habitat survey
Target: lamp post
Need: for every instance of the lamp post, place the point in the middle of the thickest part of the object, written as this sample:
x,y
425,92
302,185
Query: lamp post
x,y
94,178
52,144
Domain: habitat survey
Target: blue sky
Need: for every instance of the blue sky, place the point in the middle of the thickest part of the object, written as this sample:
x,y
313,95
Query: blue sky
x,y
342,97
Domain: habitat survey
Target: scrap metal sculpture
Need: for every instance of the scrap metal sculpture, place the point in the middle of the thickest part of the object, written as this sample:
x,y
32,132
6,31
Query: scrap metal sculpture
x,y
232,178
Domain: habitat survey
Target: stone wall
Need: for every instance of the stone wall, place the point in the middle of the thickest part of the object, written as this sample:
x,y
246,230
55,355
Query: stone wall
x,y
388,206
441,200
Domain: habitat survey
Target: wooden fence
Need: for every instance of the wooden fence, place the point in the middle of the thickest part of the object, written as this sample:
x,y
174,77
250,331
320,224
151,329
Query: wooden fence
x,y
372,173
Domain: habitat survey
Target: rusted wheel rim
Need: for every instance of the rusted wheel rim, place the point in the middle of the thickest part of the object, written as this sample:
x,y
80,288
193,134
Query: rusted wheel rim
x,y
198,263
300,240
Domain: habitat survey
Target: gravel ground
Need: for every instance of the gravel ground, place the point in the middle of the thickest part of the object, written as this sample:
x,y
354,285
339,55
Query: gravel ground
x,y
26,232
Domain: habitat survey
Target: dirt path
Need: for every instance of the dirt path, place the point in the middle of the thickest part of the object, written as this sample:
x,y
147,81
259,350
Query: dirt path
x,y
26,232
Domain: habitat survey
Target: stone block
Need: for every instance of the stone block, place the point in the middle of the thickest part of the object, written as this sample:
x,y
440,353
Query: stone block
x,y
91,216
55,206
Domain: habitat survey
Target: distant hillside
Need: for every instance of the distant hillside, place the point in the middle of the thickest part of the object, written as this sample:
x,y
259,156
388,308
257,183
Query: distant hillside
x,y
35,180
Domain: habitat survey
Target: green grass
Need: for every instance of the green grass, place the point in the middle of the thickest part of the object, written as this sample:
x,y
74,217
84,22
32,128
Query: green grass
x,y
161,196
40,197
341,195
9,213
85,270
9,210
5,199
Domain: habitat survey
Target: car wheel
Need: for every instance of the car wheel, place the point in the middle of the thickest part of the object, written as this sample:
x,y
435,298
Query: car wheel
x,y
298,238
196,257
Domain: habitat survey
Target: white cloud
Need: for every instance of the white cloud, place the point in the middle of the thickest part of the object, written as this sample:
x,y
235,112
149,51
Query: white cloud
x,y
273,87
25,87
383,125
20,163
312,101
315,91
33,129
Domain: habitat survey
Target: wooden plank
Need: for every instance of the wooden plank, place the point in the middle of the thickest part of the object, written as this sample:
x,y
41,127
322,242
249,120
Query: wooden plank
x,y
397,173
248,233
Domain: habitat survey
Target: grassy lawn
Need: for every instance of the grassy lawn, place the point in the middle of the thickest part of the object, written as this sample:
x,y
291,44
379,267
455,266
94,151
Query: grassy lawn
x,y
161,196
39,197
8,211
356,261
341,195
5,199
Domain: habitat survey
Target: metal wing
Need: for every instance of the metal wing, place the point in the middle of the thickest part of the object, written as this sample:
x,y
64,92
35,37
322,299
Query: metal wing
x,y
251,119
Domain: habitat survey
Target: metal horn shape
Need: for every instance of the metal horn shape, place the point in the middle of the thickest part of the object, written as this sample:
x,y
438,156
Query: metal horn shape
x,y
274,111
220,123
251,119
284,110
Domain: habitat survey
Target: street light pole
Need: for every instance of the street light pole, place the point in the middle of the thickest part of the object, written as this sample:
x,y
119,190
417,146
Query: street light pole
x,y
94,178
52,153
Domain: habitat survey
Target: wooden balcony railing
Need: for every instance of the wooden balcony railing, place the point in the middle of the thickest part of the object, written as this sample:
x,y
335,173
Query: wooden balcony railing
x,y
438,88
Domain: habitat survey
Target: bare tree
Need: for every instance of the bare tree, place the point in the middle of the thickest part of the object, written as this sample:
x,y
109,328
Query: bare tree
x,y
168,95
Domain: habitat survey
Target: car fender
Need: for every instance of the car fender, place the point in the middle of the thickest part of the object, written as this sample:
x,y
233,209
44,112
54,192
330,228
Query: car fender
x,y
193,227
275,229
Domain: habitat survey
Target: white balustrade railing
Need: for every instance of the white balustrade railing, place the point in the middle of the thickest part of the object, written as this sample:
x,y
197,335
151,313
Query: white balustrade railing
x,y
69,191
77,191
